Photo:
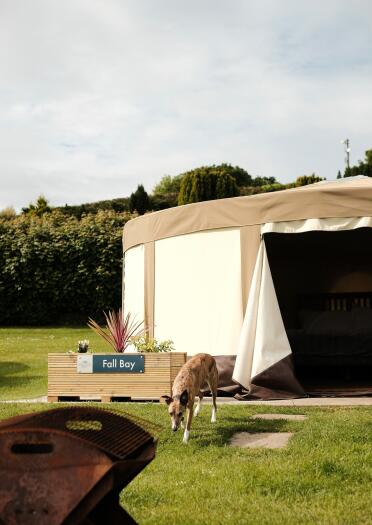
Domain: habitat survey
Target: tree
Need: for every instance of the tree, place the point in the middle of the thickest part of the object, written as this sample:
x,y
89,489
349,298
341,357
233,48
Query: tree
x,y
139,201
363,167
166,192
168,184
39,209
241,176
339,176
206,184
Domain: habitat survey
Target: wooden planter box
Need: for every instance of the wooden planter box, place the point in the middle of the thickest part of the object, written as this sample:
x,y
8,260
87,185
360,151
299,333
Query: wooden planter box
x,y
160,370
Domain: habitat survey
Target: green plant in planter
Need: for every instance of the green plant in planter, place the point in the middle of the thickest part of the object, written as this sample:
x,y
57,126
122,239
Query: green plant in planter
x,y
142,343
83,346
119,330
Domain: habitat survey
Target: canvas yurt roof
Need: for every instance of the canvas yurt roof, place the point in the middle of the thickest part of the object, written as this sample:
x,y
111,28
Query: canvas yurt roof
x,y
351,197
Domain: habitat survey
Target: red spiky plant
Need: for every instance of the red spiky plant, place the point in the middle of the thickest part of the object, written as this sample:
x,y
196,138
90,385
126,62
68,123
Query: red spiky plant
x,y
119,330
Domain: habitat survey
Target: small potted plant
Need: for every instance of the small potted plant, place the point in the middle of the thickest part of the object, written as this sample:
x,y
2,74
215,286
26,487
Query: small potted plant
x,y
83,346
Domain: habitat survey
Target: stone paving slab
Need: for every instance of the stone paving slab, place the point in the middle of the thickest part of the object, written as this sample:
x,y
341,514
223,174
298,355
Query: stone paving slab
x,y
261,439
287,417
41,399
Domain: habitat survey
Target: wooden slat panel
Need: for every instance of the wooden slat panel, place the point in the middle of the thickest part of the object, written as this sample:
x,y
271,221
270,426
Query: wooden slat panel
x,y
123,388
161,359
160,371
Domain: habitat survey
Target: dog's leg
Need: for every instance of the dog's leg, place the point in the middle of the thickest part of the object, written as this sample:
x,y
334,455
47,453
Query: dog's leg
x,y
214,408
198,406
213,385
186,434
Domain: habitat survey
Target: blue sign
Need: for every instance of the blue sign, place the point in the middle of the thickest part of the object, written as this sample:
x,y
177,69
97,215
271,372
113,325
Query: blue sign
x,y
127,364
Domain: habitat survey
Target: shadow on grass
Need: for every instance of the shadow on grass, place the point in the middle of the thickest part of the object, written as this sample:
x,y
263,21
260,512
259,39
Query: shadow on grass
x,y
220,433
13,383
11,367
10,381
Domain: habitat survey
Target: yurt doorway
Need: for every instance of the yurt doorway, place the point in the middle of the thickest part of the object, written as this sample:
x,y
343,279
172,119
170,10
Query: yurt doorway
x,y
323,281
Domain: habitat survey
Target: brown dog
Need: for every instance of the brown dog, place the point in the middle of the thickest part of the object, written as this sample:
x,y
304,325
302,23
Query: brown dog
x,y
189,381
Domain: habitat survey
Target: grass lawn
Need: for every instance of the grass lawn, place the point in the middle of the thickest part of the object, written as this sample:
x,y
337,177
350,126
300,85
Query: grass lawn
x,y
23,357
324,476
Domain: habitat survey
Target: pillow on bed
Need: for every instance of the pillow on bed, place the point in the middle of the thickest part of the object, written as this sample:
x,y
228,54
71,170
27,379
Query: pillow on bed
x,y
337,322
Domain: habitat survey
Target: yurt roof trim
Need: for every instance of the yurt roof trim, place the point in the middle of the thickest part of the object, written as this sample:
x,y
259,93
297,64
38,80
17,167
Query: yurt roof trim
x,y
351,198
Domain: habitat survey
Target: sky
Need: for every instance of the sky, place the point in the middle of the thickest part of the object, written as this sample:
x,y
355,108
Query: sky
x,y
98,96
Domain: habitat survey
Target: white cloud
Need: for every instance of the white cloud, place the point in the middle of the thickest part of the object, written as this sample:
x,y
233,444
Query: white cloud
x,y
98,96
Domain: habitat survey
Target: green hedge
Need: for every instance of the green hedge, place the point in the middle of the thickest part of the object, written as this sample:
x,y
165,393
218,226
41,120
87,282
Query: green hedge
x,y
58,269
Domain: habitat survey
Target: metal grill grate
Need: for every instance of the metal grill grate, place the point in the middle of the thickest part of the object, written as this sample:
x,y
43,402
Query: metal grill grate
x,y
68,466
114,434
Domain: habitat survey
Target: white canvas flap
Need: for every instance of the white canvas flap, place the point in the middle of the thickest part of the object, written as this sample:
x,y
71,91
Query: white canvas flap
x,y
263,340
331,224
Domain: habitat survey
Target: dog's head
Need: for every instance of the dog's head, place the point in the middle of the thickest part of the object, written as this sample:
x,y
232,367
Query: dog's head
x,y
176,408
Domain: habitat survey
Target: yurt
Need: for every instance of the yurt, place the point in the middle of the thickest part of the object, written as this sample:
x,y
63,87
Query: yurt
x,y
277,286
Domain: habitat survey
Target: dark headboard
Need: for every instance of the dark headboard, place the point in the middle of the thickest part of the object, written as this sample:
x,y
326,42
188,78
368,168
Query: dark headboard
x,y
334,301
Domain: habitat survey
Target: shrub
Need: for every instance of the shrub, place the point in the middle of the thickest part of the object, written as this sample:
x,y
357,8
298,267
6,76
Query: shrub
x,y
304,180
262,181
56,269
162,201
119,205
143,343
8,213
266,188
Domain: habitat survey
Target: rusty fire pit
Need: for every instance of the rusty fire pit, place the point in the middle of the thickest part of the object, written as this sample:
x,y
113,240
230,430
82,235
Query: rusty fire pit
x,y
67,466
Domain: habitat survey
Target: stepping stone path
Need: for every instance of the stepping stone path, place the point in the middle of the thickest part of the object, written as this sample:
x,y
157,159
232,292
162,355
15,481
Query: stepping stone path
x,y
266,439
288,417
261,439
